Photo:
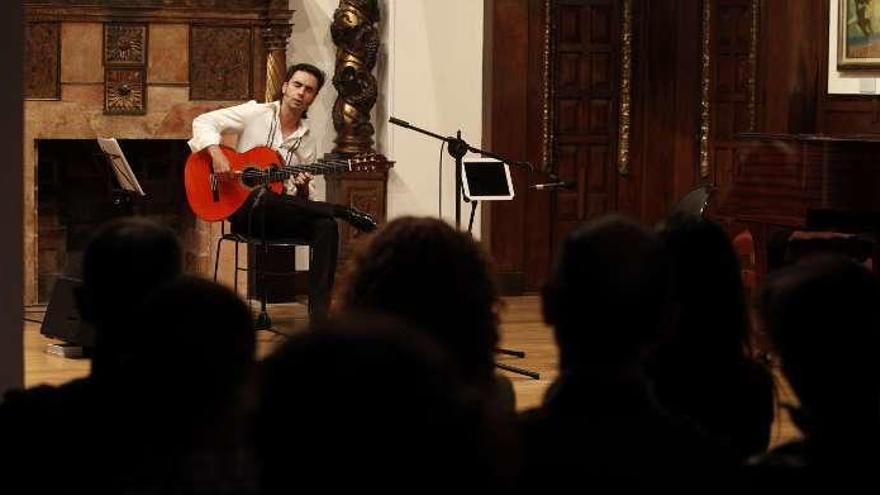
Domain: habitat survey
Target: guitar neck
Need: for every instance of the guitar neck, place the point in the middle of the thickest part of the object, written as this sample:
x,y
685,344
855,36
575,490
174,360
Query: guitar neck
x,y
317,168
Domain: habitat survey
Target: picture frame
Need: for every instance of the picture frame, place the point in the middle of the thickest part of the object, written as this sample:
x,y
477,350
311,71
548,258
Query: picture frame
x,y
858,38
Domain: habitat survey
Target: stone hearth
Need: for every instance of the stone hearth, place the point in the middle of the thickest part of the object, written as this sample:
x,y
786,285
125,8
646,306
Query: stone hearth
x,y
140,71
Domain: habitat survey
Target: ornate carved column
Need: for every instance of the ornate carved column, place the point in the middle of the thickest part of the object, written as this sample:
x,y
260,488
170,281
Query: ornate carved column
x,y
356,37
275,41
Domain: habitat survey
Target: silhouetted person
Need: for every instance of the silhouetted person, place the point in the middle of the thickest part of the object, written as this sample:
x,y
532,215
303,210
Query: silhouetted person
x,y
704,368
125,261
195,354
599,422
79,431
365,405
824,317
427,273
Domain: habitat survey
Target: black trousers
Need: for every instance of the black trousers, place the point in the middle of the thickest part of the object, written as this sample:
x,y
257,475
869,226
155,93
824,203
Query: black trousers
x,y
266,215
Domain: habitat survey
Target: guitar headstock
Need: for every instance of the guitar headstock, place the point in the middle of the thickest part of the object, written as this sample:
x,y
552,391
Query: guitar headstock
x,y
368,162
363,162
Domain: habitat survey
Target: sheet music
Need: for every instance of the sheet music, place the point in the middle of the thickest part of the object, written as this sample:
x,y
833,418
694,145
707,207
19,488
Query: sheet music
x,y
121,168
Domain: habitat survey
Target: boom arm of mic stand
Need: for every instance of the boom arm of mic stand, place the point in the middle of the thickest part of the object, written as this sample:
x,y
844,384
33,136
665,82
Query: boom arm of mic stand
x,y
457,142
403,123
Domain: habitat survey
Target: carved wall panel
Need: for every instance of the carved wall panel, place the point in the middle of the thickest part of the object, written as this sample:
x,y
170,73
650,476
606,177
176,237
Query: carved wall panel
x,y
365,191
125,45
583,58
220,63
125,91
852,114
42,60
732,104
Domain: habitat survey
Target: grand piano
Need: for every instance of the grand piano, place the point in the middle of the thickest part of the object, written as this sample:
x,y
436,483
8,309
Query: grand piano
x,y
799,183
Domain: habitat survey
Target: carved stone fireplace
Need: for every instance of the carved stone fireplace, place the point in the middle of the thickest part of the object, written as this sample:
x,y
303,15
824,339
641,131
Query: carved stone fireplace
x,y
76,192
140,71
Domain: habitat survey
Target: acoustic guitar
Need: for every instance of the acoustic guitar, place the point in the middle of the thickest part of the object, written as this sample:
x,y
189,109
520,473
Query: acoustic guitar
x,y
213,197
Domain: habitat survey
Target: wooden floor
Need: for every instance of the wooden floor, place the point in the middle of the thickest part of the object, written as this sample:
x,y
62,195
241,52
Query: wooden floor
x,y
521,329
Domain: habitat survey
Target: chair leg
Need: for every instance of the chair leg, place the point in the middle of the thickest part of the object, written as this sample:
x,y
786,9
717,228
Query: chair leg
x,y
263,321
217,257
235,270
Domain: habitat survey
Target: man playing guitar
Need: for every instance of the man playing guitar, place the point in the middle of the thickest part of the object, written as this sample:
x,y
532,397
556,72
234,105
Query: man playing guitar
x,y
280,125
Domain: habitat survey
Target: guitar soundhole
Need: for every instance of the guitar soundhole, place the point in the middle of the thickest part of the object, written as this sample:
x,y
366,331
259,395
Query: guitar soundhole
x,y
253,177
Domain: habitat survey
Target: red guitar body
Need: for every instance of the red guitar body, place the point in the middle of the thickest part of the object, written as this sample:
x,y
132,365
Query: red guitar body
x,y
230,193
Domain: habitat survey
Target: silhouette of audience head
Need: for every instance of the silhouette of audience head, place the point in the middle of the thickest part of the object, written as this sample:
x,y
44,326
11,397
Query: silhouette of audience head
x,y
824,318
364,403
707,291
125,260
732,395
196,344
607,294
424,271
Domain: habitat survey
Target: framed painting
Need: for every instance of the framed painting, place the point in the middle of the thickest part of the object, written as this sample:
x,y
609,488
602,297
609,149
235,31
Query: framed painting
x,y
858,35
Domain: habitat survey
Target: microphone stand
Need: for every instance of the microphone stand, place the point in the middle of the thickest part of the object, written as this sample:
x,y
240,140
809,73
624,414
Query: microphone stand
x,y
457,148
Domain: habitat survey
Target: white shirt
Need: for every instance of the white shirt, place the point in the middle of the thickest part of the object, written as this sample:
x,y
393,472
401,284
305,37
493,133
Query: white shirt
x,y
257,124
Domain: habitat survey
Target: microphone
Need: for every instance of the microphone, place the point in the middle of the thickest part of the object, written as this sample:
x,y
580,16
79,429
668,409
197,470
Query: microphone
x,y
560,184
396,121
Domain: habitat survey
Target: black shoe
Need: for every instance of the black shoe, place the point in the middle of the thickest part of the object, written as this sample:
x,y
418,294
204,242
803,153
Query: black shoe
x,y
358,219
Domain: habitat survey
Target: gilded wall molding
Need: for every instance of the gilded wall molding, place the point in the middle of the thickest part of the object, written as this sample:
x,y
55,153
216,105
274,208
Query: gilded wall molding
x,y
547,111
753,65
705,80
625,109
275,38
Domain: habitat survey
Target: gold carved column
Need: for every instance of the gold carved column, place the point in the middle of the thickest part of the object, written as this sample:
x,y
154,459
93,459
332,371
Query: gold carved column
x,y
275,41
356,35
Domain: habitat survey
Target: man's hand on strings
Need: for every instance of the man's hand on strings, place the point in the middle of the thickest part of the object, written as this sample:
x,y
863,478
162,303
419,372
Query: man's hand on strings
x,y
219,162
301,181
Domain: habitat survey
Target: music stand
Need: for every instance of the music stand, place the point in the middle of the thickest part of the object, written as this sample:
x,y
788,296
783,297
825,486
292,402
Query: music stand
x,y
129,187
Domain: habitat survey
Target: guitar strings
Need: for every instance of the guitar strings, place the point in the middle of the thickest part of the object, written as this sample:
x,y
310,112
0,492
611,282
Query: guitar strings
x,y
320,166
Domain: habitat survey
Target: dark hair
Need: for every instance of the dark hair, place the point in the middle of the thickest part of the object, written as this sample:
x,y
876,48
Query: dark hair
x,y
822,315
123,263
607,294
214,341
368,392
307,68
707,287
423,270
125,260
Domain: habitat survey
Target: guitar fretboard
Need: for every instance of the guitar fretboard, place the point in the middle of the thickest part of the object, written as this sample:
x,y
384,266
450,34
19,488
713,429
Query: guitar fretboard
x,y
254,176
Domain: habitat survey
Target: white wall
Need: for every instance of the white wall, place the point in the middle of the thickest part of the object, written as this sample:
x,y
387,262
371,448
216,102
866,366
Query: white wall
x,y
434,80
846,82
429,73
